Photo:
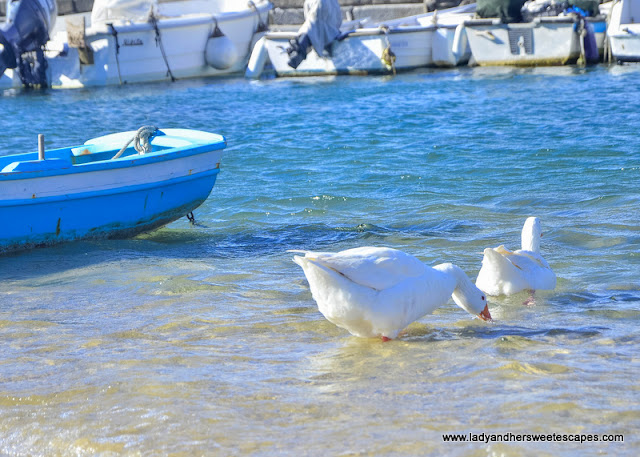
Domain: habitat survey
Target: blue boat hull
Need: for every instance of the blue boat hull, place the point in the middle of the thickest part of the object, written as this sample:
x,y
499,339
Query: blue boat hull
x,y
37,223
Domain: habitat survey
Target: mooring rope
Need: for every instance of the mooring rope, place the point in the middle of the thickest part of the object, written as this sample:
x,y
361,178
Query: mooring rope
x,y
388,57
154,22
140,140
114,33
582,35
262,26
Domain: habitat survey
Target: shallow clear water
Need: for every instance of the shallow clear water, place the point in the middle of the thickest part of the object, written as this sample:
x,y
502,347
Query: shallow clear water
x,y
204,340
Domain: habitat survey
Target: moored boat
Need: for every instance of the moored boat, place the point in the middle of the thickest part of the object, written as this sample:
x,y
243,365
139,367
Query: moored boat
x,y
324,45
363,51
623,30
445,50
543,41
546,38
106,187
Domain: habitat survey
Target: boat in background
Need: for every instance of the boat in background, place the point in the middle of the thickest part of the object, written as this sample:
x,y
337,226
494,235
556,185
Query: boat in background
x,y
542,32
365,47
445,50
106,187
127,41
362,51
544,41
623,31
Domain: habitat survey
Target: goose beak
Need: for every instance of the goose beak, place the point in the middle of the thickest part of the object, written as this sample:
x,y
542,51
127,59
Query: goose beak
x,y
485,315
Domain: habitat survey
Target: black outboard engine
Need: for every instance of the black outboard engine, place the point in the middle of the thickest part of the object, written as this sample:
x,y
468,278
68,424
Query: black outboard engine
x,y
22,37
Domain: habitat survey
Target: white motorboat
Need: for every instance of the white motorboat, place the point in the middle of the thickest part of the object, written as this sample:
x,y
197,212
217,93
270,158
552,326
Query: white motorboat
x,y
125,41
324,45
366,47
552,40
623,31
363,51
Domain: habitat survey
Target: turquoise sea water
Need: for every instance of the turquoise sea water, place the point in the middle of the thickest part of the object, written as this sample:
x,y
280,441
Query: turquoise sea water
x,y
204,340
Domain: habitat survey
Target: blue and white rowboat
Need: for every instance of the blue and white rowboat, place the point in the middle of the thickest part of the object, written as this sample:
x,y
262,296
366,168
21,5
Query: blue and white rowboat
x,y
87,192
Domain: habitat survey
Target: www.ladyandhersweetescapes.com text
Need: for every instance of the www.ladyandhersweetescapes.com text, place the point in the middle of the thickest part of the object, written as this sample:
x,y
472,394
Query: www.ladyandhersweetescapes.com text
x,y
529,437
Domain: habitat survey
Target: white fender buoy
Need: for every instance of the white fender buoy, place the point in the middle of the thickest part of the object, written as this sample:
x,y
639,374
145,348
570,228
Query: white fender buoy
x,y
257,60
459,44
220,52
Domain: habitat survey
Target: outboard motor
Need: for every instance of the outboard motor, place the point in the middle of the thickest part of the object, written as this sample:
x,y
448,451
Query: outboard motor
x,y
23,35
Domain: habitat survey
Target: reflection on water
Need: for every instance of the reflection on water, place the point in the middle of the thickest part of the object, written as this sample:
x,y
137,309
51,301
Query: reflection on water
x,y
204,340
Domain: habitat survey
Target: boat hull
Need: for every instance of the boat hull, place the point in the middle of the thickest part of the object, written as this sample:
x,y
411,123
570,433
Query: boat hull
x,y
445,53
623,31
359,53
625,48
123,198
543,42
446,21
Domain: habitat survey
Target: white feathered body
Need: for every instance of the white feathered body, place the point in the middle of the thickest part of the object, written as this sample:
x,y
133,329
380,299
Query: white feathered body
x,y
375,292
506,272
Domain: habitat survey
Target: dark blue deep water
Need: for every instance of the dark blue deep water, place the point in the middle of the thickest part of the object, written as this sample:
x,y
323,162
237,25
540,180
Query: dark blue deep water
x,y
204,340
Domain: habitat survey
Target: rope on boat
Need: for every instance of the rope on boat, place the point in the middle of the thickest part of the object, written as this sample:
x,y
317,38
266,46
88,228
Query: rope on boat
x,y
388,56
140,140
154,21
262,26
114,33
582,34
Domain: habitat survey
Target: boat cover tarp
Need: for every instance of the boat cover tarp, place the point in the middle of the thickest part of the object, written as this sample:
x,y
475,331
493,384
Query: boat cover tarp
x,y
591,7
322,20
506,10
542,8
105,11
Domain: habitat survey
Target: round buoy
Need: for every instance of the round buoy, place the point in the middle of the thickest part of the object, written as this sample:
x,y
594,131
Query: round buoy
x,y
220,52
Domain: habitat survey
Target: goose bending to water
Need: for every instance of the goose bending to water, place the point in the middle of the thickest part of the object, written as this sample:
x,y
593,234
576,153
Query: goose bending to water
x,y
377,292
506,272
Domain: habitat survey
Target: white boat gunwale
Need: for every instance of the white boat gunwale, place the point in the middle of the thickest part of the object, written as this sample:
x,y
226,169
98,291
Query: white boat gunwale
x,y
167,22
538,20
66,162
101,30
447,26
629,31
367,31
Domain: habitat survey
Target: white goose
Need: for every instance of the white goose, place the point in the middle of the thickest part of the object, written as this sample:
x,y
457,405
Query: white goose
x,y
377,292
506,272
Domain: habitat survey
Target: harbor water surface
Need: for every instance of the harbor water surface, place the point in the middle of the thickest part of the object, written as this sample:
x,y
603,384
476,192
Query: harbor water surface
x,y
204,339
